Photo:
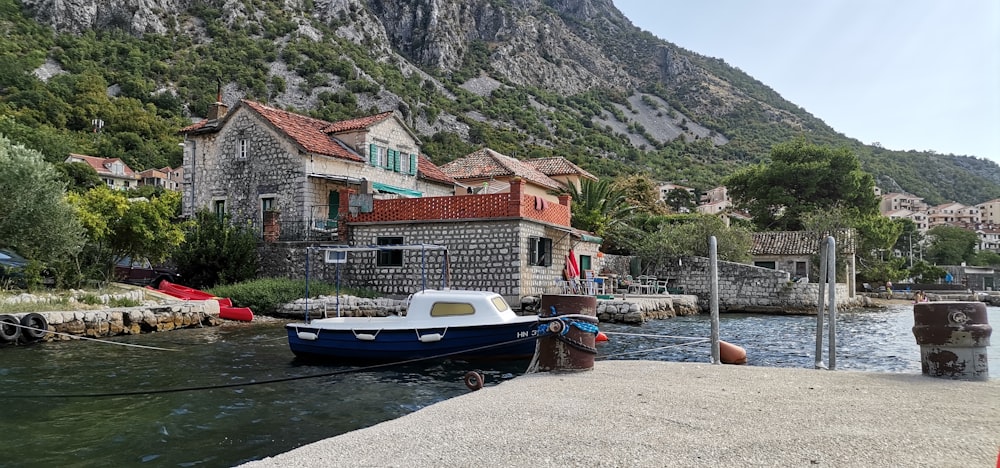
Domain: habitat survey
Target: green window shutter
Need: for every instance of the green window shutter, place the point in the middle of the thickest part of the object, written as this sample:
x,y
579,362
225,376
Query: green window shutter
x,y
373,154
413,164
388,159
395,162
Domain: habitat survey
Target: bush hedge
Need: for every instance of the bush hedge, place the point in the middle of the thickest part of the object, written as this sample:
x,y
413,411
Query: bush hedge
x,y
265,296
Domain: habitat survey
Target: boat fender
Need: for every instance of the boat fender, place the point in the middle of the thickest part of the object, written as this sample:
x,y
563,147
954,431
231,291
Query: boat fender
x,y
601,337
34,327
307,336
430,337
473,380
9,328
365,336
731,354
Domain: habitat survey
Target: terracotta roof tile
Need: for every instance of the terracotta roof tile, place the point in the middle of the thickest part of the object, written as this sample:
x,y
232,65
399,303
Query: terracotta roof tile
x,y
428,170
785,243
357,124
102,165
308,132
558,165
486,163
798,242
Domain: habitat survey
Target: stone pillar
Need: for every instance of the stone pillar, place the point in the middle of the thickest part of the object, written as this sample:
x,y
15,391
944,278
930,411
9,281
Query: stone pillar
x,y
516,193
272,227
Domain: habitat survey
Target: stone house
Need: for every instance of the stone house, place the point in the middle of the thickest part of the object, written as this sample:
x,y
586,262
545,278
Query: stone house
x,y
166,178
112,171
305,182
487,171
798,253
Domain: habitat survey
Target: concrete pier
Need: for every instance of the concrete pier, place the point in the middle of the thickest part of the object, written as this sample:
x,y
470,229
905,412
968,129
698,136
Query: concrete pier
x,y
668,414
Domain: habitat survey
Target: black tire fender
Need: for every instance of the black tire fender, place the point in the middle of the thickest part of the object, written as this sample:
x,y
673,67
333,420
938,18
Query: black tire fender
x,y
9,328
473,380
34,326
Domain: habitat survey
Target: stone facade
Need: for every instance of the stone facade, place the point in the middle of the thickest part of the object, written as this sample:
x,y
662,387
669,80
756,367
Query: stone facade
x,y
482,254
743,288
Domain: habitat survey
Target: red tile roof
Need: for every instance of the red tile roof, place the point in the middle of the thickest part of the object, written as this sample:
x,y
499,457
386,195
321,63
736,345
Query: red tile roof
x,y
103,165
558,165
486,164
308,132
193,127
357,124
429,171
798,242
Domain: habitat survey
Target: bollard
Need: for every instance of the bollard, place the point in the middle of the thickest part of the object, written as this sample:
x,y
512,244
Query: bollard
x,y
953,337
568,343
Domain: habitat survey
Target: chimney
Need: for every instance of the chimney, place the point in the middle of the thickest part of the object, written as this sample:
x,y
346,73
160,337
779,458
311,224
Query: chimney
x,y
217,110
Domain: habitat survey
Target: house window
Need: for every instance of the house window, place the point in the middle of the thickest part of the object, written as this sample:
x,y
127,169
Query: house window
x,y
266,204
383,157
771,265
219,207
244,149
539,251
389,257
404,163
800,269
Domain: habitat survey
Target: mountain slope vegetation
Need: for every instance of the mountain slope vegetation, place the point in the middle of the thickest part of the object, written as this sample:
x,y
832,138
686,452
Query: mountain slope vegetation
x,y
528,78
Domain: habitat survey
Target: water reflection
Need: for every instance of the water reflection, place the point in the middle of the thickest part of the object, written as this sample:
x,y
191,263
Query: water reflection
x,y
227,426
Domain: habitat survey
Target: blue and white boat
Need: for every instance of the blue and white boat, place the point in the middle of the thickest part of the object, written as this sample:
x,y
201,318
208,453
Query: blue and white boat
x,y
438,323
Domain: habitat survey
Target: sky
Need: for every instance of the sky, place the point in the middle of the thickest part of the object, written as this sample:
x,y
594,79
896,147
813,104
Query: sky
x,y
908,74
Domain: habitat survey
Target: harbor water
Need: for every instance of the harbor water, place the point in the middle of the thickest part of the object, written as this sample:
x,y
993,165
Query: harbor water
x,y
221,396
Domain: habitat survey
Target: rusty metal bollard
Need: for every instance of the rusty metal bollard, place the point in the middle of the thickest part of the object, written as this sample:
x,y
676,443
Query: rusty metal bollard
x,y
953,337
567,343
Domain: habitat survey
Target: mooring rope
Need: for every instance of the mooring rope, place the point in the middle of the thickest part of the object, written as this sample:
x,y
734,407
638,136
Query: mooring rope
x,y
263,382
77,337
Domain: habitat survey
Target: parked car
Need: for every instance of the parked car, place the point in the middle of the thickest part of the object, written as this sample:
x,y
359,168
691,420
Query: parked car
x,y
12,266
141,272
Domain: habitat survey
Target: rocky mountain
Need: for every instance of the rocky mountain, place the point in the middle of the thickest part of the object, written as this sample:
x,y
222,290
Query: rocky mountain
x,y
525,77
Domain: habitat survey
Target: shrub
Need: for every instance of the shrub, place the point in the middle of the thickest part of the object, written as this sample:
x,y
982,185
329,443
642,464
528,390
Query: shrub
x,y
266,295
216,252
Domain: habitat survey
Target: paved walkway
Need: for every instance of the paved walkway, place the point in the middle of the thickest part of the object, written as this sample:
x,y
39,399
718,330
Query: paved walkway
x,y
668,414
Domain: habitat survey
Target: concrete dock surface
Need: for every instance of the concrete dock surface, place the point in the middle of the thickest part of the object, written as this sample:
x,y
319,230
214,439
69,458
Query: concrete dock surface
x,y
670,414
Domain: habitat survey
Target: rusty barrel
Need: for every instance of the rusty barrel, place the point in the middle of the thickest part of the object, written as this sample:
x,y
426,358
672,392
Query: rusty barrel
x,y
567,343
953,337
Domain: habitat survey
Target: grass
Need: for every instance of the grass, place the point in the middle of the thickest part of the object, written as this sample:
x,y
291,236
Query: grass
x,y
62,299
265,296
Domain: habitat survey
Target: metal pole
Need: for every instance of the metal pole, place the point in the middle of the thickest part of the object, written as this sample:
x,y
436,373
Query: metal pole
x,y
713,274
307,283
423,265
338,285
832,306
820,304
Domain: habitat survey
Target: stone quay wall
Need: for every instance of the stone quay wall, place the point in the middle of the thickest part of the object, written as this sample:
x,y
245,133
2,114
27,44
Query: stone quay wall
x,y
129,321
746,288
635,310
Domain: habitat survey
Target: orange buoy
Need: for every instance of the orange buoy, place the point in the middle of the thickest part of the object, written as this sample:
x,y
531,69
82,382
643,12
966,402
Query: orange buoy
x,y
731,354
601,337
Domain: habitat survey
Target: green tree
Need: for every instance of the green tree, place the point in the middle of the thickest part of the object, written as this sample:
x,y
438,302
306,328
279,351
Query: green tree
x,y
119,227
35,220
802,178
927,273
79,176
688,236
216,252
680,201
640,191
951,245
599,207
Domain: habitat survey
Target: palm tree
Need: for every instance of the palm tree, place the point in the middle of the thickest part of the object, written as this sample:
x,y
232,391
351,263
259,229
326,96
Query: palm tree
x,y
599,207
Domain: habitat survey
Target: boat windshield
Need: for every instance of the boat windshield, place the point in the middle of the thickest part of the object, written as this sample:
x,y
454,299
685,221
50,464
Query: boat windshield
x,y
447,309
500,304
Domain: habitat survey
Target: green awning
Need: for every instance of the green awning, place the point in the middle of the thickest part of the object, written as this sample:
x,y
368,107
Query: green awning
x,y
590,238
401,191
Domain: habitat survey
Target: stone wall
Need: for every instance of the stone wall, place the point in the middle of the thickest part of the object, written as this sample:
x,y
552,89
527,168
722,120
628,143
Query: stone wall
x,y
486,255
746,288
131,320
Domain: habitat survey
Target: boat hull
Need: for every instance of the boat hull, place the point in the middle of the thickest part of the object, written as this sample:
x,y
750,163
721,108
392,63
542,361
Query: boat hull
x,y
513,340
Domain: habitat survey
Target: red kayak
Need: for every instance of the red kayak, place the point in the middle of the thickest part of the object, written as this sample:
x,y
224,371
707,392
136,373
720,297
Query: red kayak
x,y
226,309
